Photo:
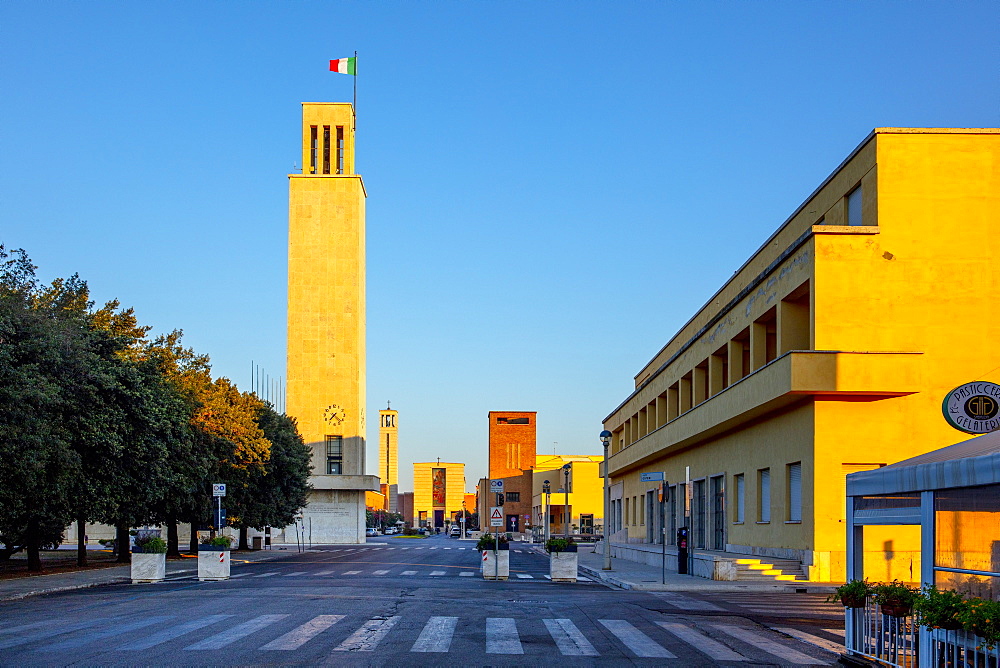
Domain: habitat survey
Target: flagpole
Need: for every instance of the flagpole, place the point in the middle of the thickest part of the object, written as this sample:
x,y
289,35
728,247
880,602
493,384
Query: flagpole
x,y
355,91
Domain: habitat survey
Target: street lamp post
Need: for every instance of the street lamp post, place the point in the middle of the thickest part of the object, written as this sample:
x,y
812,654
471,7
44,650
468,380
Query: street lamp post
x,y
606,440
566,517
546,493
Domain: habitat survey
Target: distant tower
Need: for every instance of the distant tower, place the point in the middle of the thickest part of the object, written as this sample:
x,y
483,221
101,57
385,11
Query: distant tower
x,y
512,442
326,321
388,453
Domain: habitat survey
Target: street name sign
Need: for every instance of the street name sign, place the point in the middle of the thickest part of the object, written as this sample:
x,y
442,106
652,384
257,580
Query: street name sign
x,y
219,489
496,486
496,517
651,477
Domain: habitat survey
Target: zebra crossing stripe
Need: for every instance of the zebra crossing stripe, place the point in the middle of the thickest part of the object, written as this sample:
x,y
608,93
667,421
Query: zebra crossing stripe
x,y
822,643
438,573
436,636
409,573
501,636
23,640
115,630
525,576
351,572
173,632
636,640
379,572
367,638
303,634
325,573
266,575
292,575
568,638
712,648
768,645
686,602
229,636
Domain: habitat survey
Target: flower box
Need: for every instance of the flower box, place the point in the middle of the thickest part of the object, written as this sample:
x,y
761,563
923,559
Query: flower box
x,y
496,565
213,562
148,567
562,565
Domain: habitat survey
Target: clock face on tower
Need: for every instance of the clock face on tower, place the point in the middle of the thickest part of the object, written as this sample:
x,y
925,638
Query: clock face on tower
x,y
334,414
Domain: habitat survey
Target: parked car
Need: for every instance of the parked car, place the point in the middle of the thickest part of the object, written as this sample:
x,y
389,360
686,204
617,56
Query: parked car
x,y
456,531
371,531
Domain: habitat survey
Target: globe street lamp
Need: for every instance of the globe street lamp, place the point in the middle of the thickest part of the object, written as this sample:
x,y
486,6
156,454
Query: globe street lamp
x,y
606,440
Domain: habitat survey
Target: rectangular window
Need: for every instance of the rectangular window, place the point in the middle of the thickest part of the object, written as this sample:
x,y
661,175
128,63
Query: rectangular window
x,y
326,149
334,455
503,420
513,496
340,149
795,492
764,477
854,207
740,484
313,148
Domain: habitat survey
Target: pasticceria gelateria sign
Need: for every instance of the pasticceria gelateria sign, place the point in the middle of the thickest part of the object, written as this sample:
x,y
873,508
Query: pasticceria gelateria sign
x,y
974,407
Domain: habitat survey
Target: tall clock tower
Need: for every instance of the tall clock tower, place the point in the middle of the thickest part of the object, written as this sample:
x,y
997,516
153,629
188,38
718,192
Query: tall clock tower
x,y
326,321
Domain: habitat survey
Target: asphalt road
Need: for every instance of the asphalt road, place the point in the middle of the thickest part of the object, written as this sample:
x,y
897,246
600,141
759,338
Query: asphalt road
x,y
411,602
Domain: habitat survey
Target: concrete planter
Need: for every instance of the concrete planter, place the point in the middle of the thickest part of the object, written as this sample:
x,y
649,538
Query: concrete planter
x,y
148,567
213,563
562,566
496,565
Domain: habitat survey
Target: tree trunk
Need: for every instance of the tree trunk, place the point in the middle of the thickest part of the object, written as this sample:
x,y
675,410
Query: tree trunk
x,y
194,537
31,544
244,538
173,543
81,541
122,542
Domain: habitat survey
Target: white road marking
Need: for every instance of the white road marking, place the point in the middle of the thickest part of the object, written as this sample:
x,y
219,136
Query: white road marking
x,y
822,643
501,636
380,572
25,627
636,640
229,636
525,576
292,575
115,630
325,573
686,602
466,574
768,645
266,575
547,577
436,636
367,638
351,572
174,632
238,575
583,579
303,634
438,573
712,648
409,573
64,628
568,638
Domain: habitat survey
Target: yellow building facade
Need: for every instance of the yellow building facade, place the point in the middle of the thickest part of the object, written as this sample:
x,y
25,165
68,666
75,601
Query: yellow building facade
x,y
326,321
438,492
828,352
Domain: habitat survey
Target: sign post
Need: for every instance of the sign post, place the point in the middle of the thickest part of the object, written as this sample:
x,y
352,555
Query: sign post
x,y
496,520
219,491
663,491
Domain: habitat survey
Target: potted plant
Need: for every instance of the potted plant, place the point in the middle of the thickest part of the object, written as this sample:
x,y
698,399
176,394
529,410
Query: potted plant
x,y
940,608
149,560
562,559
982,618
496,556
895,599
853,594
213,558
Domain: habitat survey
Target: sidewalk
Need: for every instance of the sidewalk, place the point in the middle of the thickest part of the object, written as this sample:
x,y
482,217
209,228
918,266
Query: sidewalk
x,y
626,574
18,588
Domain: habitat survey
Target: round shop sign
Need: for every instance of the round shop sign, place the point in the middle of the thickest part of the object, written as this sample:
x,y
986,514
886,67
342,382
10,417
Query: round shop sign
x,y
973,408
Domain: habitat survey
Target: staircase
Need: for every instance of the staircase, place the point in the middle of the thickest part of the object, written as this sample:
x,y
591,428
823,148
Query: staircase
x,y
769,570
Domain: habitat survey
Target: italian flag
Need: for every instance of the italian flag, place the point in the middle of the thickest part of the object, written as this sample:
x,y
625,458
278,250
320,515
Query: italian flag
x,y
345,66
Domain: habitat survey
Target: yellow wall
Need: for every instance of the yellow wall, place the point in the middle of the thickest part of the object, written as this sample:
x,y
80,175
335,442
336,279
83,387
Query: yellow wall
x,y
902,311
422,489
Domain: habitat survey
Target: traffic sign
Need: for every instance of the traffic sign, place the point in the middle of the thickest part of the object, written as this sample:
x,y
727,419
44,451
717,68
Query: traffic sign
x,y
496,517
496,486
219,489
651,477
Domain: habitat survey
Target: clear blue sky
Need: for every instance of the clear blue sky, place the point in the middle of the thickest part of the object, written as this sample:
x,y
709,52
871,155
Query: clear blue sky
x,y
553,188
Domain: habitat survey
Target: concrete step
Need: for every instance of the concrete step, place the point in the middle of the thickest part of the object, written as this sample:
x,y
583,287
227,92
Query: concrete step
x,y
769,570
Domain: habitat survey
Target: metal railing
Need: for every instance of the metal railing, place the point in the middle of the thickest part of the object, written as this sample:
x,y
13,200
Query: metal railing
x,y
957,649
890,641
